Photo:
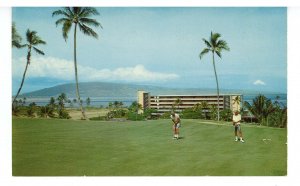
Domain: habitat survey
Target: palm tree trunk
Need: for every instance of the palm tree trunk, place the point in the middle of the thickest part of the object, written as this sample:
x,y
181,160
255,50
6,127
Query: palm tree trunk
x,y
76,75
217,86
23,79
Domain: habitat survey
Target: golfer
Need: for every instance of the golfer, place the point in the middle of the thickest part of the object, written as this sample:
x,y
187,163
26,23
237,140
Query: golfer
x,y
236,121
176,120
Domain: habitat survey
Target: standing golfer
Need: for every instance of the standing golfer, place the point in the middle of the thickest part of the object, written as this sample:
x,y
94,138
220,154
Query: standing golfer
x,y
236,121
176,120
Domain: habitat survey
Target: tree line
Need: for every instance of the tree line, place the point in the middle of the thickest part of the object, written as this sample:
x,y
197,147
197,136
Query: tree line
x,y
262,111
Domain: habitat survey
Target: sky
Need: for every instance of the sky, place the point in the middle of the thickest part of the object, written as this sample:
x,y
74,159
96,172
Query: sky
x,y
159,46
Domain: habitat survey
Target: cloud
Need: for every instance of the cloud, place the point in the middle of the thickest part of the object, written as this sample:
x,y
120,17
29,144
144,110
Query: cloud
x,y
51,67
259,82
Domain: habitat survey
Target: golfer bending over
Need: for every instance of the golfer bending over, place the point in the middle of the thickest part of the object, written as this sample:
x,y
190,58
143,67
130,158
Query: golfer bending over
x,y
176,120
236,121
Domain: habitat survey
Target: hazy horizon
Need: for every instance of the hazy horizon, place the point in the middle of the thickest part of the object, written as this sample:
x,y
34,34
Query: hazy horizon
x,y
147,87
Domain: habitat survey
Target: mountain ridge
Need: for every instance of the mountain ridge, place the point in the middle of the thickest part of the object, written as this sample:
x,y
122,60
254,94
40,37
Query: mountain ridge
x,y
104,89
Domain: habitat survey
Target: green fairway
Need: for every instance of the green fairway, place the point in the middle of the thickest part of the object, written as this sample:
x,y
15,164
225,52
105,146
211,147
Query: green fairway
x,y
50,147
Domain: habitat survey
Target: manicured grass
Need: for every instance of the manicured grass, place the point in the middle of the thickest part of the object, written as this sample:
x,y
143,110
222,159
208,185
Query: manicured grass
x,y
50,147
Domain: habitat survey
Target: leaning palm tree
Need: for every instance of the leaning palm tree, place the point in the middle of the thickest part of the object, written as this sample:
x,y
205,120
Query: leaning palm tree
x,y
214,45
79,17
15,37
32,41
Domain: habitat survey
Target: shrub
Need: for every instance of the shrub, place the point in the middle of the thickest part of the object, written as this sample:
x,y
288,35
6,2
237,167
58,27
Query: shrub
x,y
99,118
226,115
190,114
118,113
63,114
148,114
165,115
15,109
277,119
31,109
30,112
46,111
135,117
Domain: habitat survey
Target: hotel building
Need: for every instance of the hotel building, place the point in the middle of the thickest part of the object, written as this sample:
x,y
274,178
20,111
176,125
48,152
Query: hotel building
x,y
165,103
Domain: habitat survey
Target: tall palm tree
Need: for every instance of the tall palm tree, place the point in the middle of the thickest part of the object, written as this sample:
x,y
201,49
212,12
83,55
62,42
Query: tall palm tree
x,y
15,37
79,17
214,45
32,41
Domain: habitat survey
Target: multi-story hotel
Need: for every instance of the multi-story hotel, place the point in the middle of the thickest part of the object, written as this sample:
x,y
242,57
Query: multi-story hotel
x,y
165,103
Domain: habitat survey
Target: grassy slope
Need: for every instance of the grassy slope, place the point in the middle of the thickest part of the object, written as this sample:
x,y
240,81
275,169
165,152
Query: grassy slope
x,y
68,147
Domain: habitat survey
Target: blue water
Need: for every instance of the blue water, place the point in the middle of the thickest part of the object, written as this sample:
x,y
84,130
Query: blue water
x,y
95,102
127,101
282,98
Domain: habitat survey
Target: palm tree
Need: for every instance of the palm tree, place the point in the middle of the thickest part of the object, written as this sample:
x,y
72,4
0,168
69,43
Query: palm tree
x,y
214,45
178,102
74,101
213,112
52,103
237,101
46,111
139,109
15,37
110,106
62,98
32,41
88,101
80,17
116,104
205,108
197,107
261,108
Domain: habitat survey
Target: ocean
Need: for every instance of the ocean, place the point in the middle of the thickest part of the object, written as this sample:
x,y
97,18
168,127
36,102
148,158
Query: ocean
x,y
127,101
281,98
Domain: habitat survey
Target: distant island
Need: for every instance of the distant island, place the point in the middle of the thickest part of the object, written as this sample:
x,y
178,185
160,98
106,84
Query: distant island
x,y
104,89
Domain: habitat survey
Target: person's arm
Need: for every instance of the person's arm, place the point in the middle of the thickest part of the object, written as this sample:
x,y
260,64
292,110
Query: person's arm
x,y
177,120
239,119
233,122
173,119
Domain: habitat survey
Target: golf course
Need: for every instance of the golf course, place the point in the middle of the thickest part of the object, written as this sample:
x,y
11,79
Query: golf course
x,y
55,147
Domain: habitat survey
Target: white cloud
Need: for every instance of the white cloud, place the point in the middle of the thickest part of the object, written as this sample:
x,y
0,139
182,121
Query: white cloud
x,y
259,82
51,67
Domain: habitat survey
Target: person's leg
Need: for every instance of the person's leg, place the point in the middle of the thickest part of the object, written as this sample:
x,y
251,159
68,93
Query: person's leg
x,y
236,133
177,132
240,133
174,131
